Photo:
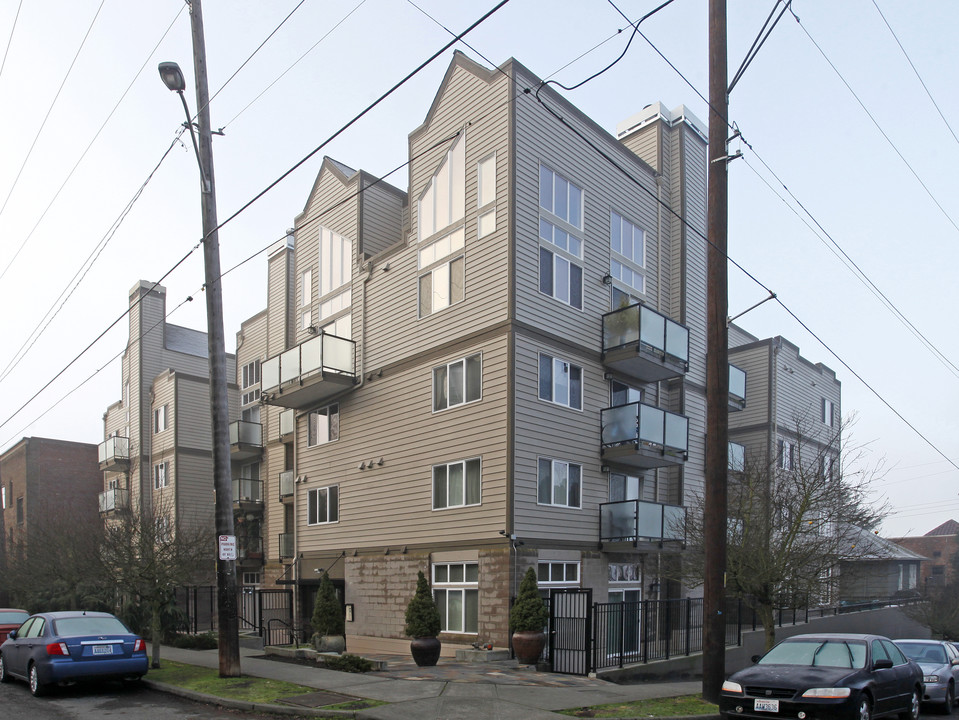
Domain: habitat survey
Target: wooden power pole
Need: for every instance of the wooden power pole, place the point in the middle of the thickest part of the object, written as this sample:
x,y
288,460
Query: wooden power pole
x,y
717,364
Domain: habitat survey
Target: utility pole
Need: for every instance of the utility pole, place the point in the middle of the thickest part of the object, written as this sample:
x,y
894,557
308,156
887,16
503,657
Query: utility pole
x,y
717,364
227,622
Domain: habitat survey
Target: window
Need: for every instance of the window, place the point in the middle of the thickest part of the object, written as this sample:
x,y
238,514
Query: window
x,y
623,394
561,250
444,200
560,197
786,452
159,419
560,278
627,244
324,426
335,305
558,483
3,497
159,476
336,261
456,484
20,510
323,505
827,412
251,381
486,195
251,578
457,383
456,592
306,300
163,529
557,573
443,283
624,487
341,327
560,382
828,467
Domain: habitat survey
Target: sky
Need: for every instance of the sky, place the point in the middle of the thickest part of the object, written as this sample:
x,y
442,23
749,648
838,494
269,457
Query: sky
x,y
849,118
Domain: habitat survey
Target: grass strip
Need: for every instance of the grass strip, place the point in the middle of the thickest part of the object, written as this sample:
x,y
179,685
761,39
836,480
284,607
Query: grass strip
x,y
685,705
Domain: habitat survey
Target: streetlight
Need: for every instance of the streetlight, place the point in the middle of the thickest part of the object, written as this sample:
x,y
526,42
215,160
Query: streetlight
x,y
227,620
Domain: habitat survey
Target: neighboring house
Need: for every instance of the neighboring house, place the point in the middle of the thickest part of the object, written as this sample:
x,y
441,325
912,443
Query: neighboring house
x,y
45,483
939,547
881,569
157,456
503,369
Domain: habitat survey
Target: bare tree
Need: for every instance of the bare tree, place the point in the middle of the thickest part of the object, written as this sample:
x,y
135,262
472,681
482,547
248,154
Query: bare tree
x,y
793,514
939,610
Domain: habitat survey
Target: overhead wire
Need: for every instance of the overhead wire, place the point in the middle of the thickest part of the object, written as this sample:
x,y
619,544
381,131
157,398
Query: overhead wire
x,y
759,42
13,27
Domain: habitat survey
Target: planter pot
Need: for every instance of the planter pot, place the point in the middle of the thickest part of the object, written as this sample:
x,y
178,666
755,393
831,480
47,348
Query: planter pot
x,y
425,651
528,646
329,643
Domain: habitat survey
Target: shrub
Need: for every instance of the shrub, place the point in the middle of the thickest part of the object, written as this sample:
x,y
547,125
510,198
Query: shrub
x,y
529,613
327,613
422,617
203,641
346,663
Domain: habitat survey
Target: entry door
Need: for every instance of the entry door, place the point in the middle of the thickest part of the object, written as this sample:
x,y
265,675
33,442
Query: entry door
x,y
624,628
571,620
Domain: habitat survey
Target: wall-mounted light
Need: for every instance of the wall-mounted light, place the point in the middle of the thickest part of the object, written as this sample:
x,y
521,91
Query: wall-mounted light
x,y
362,466
607,279
380,461
312,329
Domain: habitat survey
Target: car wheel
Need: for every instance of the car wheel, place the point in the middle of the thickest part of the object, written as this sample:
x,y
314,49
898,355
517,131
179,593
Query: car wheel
x,y
913,712
865,708
950,700
4,675
36,687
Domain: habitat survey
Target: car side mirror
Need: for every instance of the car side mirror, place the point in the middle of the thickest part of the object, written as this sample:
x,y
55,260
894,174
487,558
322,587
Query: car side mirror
x,y
12,634
882,664
755,658
955,661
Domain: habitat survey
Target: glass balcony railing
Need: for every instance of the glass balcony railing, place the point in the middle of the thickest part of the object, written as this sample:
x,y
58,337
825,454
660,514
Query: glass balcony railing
x,y
637,520
286,545
249,547
737,458
737,388
247,490
286,484
243,432
644,435
287,423
644,343
114,451
309,372
114,499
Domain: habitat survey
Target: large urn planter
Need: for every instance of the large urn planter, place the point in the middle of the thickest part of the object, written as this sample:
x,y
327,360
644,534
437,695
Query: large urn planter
x,y
425,651
528,646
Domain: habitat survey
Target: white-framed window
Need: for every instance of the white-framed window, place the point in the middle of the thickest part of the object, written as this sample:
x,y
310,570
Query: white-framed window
x,y
456,592
159,419
828,467
251,383
443,202
827,412
456,484
341,327
622,394
560,382
306,299
335,305
251,578
159,476
560,277
336,261
627,262
624,487
458,383
559,483
324,425
443,283
486,196
3,497
561,247
557,574
323,505
786,455
560,197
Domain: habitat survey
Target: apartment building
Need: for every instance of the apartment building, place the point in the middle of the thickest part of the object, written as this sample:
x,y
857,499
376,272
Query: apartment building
x,y
502,368
156,458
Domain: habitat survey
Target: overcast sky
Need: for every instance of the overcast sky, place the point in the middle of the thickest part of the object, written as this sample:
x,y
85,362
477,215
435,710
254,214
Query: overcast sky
x,y
86,121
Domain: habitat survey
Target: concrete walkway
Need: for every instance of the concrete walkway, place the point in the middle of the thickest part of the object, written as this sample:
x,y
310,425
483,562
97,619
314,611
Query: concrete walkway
x,y
498,690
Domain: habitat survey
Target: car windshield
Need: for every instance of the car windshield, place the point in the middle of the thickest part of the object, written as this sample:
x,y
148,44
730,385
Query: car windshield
x,y
818,653
89,625
9,617
924,652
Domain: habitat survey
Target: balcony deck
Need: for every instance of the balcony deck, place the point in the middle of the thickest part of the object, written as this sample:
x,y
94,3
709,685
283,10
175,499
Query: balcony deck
x,y
113,500
636,521
309,373
246,440
643,436
645,344
114,453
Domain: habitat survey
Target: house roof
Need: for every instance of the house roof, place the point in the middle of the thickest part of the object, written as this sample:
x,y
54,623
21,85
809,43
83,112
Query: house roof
x,y
186,340
949,527
873,547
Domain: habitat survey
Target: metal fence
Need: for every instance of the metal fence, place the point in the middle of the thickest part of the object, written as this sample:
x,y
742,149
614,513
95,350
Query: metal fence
x,y
646,630
256,609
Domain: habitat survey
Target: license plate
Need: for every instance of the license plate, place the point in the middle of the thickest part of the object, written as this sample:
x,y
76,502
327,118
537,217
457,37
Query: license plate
x,y
108,650
766,705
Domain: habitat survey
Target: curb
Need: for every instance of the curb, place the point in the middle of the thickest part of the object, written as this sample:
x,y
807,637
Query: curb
x,y
243,705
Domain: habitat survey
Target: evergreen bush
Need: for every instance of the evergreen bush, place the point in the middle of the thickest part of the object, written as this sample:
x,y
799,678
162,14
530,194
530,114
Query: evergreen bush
x,y
529,613
422,617
327,613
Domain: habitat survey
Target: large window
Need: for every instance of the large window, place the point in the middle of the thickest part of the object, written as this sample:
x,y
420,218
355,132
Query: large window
x,y
323,505
557,574
306,300
627,244
559,483
336,261
457,382
560,278
827,412
251,383
560,382
159,476
324,426
624,487
456,484
456,592
561,247
443,283
560,197
444,200
333,307
486,196
623,394
787,451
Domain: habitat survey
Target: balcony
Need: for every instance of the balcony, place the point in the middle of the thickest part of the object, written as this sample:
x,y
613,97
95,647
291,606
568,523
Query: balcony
x,y
287,425
309,373
249,548
114,453
737,388
645,344
635,521
286,545
246,440
246,490
114,499
286,484
644,436
737,458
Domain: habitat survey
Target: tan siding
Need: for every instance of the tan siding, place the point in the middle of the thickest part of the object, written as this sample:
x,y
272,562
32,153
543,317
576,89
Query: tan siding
x,y
194,424
194,488
382,218
755,361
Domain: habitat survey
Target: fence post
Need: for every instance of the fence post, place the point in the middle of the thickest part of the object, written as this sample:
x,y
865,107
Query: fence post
x,y
689,623
669,627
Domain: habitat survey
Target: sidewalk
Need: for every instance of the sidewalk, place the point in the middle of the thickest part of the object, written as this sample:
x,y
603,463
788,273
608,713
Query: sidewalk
x,y
449,691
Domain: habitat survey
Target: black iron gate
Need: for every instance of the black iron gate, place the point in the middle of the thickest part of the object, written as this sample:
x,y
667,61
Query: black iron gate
x,y
570,623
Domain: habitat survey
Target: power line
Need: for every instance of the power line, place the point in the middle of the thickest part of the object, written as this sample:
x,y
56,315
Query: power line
x,y
759,42
10,39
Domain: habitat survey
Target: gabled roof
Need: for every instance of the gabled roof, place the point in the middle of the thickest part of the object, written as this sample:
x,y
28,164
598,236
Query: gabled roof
x,y
949,527
872,547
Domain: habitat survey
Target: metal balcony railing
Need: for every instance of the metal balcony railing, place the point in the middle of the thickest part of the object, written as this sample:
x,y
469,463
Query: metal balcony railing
x,y
113,451
286,483
645,344
114,499
286,545
644,435
247,490
309,372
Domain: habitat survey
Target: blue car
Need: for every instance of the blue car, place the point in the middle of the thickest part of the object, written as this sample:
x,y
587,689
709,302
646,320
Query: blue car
x,y
65,647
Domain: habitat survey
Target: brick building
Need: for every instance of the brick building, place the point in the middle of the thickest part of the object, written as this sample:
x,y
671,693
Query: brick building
x,y
938,547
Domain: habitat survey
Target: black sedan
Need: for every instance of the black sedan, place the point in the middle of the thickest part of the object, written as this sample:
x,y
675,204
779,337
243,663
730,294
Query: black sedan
x,y
830,675
64,647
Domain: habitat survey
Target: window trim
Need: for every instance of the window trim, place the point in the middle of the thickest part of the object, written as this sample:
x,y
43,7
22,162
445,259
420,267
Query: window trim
x,y
465,362
559,583
312,505
448,264
551,210
329,422
161,477
457,587
159,419
555,254
539,385
465,490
